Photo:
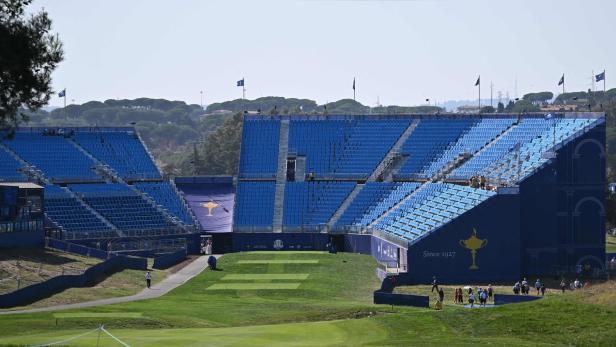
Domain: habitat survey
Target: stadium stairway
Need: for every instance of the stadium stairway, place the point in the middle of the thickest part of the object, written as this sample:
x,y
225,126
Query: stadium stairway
x,y
173,220
28,169
400,203
281,175
103,169
345,204
94,212
183,200
393,152
482,149
108,171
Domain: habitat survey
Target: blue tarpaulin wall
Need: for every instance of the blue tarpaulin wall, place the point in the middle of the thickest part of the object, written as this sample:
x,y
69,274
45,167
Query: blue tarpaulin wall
x,y
211,199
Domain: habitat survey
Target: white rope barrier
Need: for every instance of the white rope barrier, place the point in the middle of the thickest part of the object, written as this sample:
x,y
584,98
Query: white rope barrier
x,y
67,340
115,338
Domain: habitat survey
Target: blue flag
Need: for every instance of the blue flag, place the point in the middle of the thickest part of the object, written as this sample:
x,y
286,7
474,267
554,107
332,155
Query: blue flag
x,y
562,80
62,93
600,77
478,81
240,83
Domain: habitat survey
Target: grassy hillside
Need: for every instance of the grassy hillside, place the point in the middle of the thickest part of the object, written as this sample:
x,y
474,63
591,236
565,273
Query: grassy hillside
x,y
330,305
32,266
610,244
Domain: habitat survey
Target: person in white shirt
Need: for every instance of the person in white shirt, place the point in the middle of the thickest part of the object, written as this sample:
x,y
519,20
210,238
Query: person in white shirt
x,y
148,279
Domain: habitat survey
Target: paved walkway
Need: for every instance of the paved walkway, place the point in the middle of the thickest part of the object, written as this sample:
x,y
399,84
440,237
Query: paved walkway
x,y
171,282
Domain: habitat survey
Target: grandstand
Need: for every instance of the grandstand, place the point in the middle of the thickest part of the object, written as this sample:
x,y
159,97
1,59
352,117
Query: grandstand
x,y
403,185
101,184
398,187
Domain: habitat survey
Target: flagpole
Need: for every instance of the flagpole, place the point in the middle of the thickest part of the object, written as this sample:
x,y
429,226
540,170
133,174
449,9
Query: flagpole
x,y
243,88
603,82
65,112
479,93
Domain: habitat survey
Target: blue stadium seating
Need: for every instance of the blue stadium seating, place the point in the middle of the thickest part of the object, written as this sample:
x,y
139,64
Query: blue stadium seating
x,y
313,203
367,145
122,206
322,142
260,139
395,196
470,142
254,204
432,206
9,168
428,141
74,218
54,155
121,150
344,148
167,197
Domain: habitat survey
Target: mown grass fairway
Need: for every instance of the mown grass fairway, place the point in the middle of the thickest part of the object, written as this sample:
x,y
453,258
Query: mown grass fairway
x,y
253,286
331,307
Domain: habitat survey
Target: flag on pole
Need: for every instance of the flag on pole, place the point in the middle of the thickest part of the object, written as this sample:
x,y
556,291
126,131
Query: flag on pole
x,y
478,81
562,80
353,83
62,93
240,83
600,77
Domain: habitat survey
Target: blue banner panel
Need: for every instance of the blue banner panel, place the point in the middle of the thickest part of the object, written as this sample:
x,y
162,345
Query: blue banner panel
x,y
211,202
280,242
480,246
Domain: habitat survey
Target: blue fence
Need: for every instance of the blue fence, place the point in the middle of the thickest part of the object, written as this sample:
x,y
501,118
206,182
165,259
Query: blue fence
x,y
169,259
35,292
501,299
401,299
77,249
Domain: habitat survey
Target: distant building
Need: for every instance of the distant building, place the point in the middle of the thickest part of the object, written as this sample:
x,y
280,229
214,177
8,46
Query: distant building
x,y
468,109
557,108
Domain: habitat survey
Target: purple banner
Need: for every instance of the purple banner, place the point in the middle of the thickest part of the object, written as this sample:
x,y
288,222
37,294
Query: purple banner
x,y
212,204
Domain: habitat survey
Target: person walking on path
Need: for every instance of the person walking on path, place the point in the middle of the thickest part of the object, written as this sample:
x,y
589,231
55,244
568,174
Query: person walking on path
x,y
441,295
490,292
148,279
434,284
563,286
538,286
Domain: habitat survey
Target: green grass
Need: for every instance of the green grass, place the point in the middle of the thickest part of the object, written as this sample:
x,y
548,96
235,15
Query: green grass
x,y
279,261
34,265
98,315
261,277
610,244
331,307
253,286
123,283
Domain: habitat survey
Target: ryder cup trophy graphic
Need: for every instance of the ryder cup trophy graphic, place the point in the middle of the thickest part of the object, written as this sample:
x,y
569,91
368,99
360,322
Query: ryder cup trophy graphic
x,y
473,244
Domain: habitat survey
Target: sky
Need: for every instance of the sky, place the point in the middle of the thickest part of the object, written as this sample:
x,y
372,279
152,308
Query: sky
x,y
400,52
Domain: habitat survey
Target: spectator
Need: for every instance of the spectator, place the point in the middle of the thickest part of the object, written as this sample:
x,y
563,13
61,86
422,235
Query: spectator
x,y
460,298
490,293
441,295
577,284
483,297
471,299
516,288
542,289
525,287
148,279
538,286
455,296
482,181
434,284
563,285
